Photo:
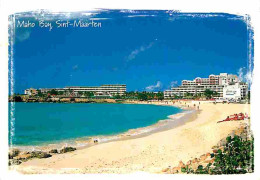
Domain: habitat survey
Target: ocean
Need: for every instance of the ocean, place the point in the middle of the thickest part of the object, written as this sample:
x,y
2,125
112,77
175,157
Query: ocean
x,y
45,123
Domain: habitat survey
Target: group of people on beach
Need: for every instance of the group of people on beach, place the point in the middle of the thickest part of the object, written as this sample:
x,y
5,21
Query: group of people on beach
x,y
236,117
194,105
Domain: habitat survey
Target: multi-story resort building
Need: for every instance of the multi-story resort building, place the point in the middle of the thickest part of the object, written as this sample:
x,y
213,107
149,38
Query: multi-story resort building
x,y
31,91
225,85
103,90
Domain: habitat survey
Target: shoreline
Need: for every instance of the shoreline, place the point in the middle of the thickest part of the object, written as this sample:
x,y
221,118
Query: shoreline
x,y
172,121
150,153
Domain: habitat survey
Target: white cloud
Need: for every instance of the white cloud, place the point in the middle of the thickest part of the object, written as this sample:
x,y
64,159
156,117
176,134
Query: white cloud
x,y
135,52
249,77
128,11
174,83
240,73
140,16
75,67
244,75
87,14
157,86
98,19
21,36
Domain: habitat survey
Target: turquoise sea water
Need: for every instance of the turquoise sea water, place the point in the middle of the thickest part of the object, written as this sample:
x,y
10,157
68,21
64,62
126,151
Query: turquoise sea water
x,y
43,123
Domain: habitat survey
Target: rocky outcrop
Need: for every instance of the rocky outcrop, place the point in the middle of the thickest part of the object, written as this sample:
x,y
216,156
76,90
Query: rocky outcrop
x,y
67,149
53,151
14,162
40,154
191,165
16,157
13,153
23,156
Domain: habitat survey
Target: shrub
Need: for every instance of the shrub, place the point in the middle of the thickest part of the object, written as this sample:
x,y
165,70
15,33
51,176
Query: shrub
x,y
236,158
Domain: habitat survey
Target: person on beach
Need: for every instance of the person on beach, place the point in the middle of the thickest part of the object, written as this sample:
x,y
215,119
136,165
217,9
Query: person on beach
x,y
246,115
198,107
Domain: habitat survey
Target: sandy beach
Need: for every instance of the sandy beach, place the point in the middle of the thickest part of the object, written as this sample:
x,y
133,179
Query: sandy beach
x,y
150,153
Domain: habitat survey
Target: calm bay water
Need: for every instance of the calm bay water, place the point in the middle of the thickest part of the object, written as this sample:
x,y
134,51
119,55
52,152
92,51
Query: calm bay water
x,y
42,123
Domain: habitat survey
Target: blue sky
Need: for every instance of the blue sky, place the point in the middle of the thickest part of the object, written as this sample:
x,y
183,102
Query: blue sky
x,y
146,50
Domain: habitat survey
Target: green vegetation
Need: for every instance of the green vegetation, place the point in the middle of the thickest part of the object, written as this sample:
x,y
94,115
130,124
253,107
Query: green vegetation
x,y
236,158
188,95
88,94
248,96
53,92
60,92
18,99
199,95
143,96
209,93
130,95
160,95
39,93
175,97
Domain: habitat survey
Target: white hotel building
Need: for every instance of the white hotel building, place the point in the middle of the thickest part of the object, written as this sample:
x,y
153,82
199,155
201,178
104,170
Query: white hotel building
x,y
103,90
226,85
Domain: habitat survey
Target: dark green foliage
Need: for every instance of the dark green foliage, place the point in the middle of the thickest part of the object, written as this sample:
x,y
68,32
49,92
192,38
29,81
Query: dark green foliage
x,y
183,170
17,99
188,95
60,92
248,96
187,170
143,96
236,158
53,92
88,94
209,93
39,93
160,96
117,96
201,170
